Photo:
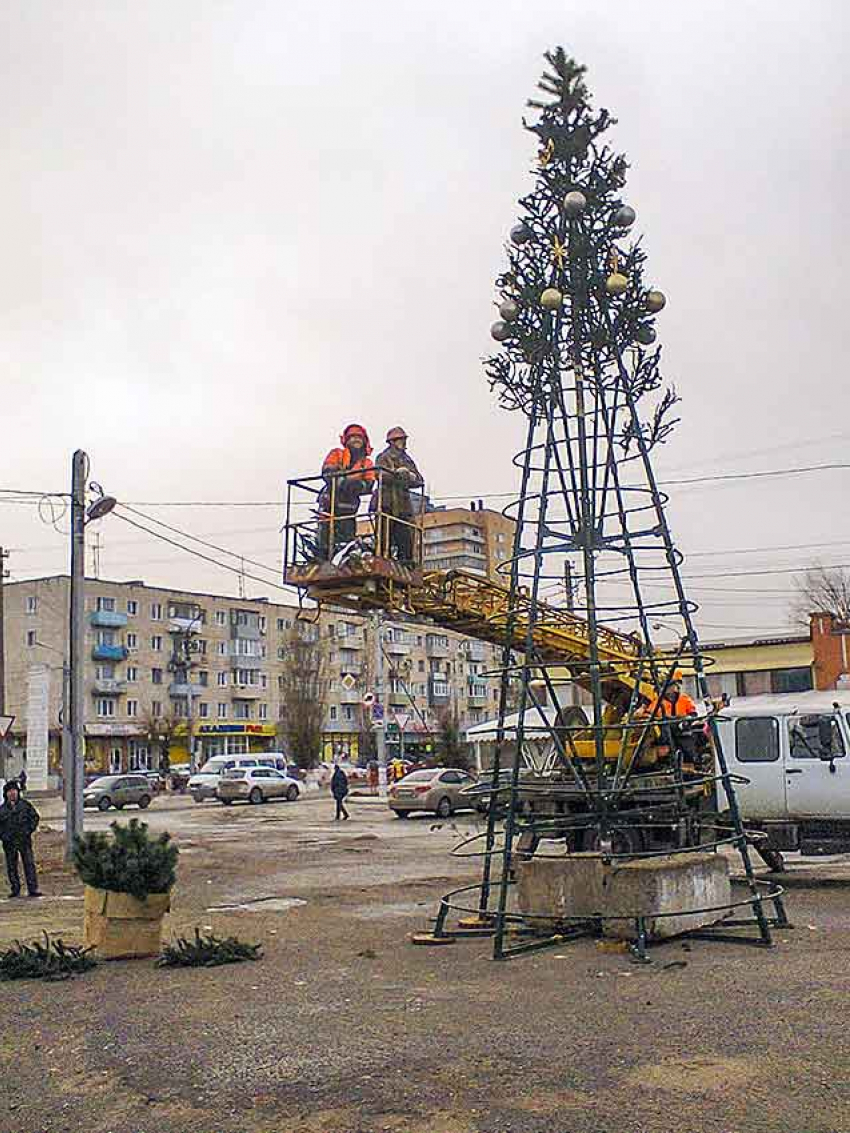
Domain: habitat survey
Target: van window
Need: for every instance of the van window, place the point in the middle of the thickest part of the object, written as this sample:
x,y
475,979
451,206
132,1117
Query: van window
x,y
804,734
757,739
215,766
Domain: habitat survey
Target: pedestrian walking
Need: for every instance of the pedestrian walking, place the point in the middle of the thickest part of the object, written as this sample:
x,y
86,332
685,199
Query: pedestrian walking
x,y
339,789
22,779
18,821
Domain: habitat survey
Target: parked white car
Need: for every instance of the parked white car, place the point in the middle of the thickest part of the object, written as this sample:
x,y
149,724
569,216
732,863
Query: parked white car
x,y
256,785
204,783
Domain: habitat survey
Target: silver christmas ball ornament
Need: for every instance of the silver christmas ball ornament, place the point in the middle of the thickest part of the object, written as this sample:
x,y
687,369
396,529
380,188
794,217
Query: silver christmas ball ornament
x,y
575,203
645,335
625,216
655,301
500,331
616,283
520,234
551,299
509,310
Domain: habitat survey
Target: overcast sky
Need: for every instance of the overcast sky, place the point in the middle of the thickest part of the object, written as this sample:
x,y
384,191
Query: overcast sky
x,y
229,228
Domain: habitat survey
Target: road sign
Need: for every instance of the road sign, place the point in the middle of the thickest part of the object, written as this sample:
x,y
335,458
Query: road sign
x,y
6,723
402,719
369,698
377,713
348,682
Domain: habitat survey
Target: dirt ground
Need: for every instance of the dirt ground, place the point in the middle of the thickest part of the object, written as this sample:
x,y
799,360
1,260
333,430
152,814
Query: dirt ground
x,y
345,1027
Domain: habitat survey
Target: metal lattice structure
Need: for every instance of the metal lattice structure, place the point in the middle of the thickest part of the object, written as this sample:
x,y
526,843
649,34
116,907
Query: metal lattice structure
x,y
594,569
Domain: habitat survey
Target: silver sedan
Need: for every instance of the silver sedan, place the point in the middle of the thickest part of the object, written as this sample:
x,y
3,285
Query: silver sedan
x,y
256,785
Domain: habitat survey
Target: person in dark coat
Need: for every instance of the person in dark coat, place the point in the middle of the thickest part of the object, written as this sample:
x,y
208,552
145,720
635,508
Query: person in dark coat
x,y
339,789
18,821
22,779
398,476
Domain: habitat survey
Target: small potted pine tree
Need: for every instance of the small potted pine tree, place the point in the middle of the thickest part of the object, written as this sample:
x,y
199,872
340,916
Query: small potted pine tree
x,y
128,877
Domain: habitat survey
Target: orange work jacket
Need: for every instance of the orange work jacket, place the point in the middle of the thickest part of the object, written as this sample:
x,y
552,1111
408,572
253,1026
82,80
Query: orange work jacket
x,y
684,706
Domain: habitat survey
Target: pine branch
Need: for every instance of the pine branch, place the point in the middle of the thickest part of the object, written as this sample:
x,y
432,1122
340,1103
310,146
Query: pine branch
x,y
207,951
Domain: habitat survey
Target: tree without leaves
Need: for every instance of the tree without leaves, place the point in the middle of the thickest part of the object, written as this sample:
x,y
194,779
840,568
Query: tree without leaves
x,y
822,590
454,751
303,695
163,730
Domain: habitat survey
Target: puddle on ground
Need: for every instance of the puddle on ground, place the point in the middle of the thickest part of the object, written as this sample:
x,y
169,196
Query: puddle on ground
x,y
399,909
259,905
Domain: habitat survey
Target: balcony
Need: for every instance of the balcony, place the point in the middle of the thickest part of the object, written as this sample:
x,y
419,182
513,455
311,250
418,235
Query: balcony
x,y
245,660
436,646
182,625
109,653
179,689
438,692
350,696
108,686
349,640
248,692
108,619
399,697
246,632
398,644
475,651
476,694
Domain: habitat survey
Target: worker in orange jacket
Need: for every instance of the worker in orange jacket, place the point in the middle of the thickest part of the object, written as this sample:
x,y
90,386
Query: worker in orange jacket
x,y
674,702
348,473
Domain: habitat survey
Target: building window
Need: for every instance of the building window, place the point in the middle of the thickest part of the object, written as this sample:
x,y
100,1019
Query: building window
x,y
262,621
132,673
755,683
132,641
222,649
156,643
104,672
156,611
156,708
132,607
220,618
242,710
348,711
791,680
106,605
203,709
332,712
105,706
222,711
32,605
156,676
281,652
421,666
132,708
263,712
204,678
30,637
280,625
222,680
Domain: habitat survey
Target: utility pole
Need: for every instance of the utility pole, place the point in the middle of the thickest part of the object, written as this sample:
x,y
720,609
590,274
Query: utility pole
x,y
380,732
181,666
74,759
4,574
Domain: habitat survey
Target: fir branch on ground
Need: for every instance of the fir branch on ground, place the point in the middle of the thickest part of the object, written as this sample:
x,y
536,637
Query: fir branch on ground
x,y
129,861
207,952
52,960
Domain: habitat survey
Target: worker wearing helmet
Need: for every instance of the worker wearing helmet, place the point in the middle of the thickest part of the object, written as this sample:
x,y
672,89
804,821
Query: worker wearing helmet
x,y
674,702
393,501
348,473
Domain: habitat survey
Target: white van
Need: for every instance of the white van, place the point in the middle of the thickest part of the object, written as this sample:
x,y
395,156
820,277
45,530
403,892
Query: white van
x,y
203,784
794,749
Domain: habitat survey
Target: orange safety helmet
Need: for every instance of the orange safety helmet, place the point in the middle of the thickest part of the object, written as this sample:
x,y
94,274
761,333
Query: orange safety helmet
x,y
353,430
396,434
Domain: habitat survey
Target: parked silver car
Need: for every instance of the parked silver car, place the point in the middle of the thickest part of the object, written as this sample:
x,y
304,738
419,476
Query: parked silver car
x,y
118,791
256,785
436,789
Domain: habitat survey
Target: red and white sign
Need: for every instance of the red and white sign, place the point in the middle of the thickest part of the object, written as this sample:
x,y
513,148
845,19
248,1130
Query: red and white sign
x,y
402,719
6,723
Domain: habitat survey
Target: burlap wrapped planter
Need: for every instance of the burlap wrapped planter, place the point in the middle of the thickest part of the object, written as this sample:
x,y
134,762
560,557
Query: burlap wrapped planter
x,y
121,927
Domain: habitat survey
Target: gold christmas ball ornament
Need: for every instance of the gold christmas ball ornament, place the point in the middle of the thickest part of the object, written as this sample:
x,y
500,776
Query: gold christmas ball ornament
x,y
645,335
551,299
509,310
575,203
624,217
520,234
616,283
655,301
500,331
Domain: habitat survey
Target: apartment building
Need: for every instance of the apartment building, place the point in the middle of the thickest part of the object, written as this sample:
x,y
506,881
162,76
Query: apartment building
x,y
474,539
136,690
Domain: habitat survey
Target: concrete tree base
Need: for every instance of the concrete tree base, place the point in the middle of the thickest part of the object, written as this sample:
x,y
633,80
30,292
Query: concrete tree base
x,y
583,886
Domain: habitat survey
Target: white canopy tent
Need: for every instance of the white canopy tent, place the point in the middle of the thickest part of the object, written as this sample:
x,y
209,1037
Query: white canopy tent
x,y
538,747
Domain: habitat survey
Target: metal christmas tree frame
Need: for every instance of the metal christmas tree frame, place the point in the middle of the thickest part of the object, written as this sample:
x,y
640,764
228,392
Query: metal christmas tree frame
x,y
577,358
